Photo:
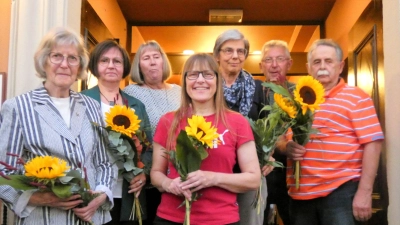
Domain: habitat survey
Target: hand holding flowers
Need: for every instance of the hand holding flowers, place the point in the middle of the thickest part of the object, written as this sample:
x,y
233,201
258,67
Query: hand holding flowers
x,y
125,145
191,149
298,111
58,185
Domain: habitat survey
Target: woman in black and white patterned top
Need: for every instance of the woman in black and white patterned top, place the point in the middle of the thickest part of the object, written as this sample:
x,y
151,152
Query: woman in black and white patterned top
x,y
150,70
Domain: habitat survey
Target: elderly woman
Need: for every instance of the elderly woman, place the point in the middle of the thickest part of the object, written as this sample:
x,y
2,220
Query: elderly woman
x,y
244,95
216,183
54,120
150,70
109,62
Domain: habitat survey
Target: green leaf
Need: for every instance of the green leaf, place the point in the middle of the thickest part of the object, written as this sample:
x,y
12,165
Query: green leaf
x,y
62,191
19,182
203,152
278,89
129,165
188,157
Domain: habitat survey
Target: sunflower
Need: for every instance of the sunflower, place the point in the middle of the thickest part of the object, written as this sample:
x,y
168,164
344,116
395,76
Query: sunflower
x,y
286,105
201,130
309,93
46,167
123,119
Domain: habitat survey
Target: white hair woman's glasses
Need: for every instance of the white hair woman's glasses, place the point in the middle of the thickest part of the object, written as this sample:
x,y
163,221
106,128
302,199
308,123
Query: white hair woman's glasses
x,y
229,51
58,58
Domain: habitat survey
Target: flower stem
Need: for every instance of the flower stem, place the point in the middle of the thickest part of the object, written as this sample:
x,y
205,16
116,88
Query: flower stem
x,y
297,174
187,216
138,210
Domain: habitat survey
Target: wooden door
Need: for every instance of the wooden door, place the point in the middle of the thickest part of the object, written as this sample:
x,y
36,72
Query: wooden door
x,y
366,64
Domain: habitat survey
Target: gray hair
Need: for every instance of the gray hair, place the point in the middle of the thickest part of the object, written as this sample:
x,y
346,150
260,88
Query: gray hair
x,y
275,43
325,42
60,36
136,73
229,35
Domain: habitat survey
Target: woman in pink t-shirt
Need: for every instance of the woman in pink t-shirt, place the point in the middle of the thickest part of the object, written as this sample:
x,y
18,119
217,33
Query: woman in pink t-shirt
x,y
202,94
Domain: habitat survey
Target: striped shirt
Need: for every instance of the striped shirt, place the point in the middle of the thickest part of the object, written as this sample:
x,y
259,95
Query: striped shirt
x,y
345,121
30,126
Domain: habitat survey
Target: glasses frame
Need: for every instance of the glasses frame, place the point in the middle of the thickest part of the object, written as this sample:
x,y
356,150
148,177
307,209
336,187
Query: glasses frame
x,y
226,51
65,57
278,60
202,74
101,63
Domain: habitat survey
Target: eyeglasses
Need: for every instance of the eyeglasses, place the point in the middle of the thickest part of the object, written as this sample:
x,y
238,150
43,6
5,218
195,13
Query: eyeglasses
x,y
58,58
229,51
207,74
279,59
106,61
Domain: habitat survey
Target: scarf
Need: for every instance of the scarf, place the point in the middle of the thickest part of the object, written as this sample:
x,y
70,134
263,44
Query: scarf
x,y
240,94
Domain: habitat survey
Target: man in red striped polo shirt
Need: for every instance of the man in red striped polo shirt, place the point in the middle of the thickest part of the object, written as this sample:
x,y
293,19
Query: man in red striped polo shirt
x,y
339,164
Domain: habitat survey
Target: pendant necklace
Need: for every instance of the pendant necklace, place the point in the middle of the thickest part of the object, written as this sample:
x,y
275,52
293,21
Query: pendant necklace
x,y
112,103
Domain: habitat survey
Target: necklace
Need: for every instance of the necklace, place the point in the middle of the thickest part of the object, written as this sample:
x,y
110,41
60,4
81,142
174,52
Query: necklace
x,y
112,103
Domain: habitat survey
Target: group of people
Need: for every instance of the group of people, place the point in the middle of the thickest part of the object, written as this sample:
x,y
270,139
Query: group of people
x,y
339,166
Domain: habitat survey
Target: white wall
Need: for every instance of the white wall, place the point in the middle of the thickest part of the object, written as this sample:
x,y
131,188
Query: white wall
x,y
391,46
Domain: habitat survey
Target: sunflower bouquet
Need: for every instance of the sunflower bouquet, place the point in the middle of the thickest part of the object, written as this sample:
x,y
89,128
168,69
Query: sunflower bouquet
x,y
125,146
192,148
48,173
298,110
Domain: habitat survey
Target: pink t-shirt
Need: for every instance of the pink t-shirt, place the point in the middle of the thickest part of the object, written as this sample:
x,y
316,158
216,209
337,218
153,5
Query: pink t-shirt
x,y
215,205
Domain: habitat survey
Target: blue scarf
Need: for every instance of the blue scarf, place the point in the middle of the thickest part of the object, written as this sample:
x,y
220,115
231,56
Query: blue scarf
x,y
239,96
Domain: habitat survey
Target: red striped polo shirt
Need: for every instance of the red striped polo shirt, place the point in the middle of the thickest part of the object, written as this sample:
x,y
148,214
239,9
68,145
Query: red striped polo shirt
x,y
345,121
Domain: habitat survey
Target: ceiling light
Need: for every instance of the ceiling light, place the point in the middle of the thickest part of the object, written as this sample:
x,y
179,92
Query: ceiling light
x,y
258,52
188,52
225,15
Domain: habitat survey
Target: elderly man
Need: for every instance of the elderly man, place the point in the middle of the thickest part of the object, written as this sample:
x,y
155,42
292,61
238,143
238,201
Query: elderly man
x,y
275,63
339,164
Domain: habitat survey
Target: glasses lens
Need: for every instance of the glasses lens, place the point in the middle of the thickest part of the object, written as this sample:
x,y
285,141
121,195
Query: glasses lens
x,y
73,60
192,75
208,75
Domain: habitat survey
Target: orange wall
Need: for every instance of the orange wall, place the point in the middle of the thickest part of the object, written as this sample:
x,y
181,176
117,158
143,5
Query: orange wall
x,y
5,18
111,15
343,16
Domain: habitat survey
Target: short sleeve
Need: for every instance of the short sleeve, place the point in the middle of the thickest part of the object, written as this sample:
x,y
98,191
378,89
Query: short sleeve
x,y
161,133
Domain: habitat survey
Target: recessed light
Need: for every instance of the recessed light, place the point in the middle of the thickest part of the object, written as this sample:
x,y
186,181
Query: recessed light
x,y
188,52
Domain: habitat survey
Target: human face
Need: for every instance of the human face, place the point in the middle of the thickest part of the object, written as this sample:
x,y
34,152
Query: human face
x,y
60,77
275,64
111,66
201,90
325,66
231,64
151,66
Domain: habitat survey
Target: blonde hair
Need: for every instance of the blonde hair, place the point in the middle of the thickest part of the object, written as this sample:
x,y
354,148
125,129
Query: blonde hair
x,y
185,110
136,73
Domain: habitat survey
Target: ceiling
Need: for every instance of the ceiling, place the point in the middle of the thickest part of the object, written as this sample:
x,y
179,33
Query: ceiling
x,y
183,24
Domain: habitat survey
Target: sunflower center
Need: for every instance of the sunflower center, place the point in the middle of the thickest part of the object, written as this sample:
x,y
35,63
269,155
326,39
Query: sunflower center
x,y
200,130
45,168
308,95
122,120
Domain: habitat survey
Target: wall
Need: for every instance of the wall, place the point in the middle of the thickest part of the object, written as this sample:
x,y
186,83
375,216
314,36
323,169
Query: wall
x,y
391,49
112,17
341,19
5,18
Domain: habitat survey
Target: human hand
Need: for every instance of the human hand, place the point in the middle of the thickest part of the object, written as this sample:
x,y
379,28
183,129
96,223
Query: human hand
x,y
51,200
173,186
137,183
197,180
86,213
265,170
295,151
362,205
